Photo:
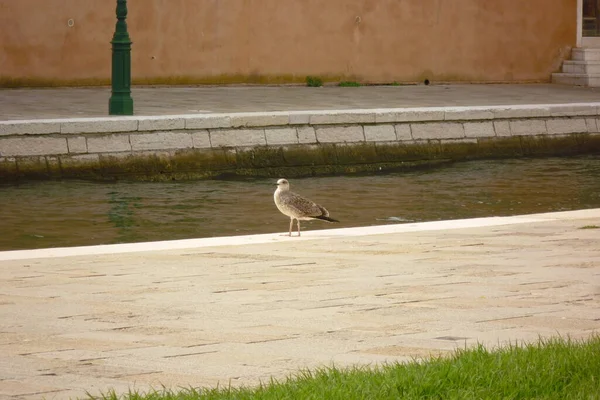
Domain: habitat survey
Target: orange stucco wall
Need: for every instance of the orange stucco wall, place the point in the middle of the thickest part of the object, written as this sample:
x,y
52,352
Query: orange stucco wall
x,y
187,41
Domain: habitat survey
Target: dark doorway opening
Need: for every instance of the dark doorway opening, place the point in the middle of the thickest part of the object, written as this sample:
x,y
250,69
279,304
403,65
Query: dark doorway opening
x,y
591,18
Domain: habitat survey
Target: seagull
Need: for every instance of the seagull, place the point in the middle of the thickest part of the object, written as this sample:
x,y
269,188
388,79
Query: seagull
x,y
297,207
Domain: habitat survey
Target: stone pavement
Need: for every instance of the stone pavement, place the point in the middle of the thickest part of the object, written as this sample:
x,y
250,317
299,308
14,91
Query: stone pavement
x,y
20,104
240,310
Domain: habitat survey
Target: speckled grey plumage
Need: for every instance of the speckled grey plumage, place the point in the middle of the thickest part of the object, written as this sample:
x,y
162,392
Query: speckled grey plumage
x,y
297,207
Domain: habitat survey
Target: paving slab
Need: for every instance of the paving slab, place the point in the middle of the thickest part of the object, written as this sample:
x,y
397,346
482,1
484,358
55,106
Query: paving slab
x,y
244,309
53,103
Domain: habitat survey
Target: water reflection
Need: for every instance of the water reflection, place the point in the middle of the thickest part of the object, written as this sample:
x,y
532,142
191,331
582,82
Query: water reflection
x,y
69,213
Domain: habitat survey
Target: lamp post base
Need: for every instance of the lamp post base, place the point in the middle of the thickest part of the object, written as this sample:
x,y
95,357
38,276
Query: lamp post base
x,y
120,105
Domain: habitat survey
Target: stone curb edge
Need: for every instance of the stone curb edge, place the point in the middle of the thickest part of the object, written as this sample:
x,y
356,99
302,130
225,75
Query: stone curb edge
x,y
285,118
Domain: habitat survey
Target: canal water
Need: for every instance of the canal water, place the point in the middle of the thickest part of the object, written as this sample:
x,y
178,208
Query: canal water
x,y
74,213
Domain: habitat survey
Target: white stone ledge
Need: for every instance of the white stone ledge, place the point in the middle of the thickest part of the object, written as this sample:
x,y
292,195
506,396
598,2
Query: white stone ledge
x,y
300,117
160,123
566,125
281,136
548,110
409,115
237,137
201,139
307,135
340,134
259,119
502,128
438,130
212,121
342,117
468,113
424,114
33,146
479,129
528,127
403,132
161,141
39,127
77,144
592,125
99,125
304,117
380,133
573,110
521,112
108,144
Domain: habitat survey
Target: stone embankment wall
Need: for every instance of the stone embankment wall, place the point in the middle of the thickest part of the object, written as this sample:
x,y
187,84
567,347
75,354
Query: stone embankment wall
x,y
289,143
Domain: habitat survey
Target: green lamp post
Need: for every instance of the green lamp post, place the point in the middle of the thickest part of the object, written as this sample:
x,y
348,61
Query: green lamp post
x,y
120,102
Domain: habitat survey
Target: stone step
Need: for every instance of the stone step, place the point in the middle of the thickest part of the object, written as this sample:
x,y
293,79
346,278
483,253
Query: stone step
x,y
590,80
585,54
581,67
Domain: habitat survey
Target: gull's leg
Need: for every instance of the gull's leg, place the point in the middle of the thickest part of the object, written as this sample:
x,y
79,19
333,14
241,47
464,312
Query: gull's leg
x,y
298,221
291,226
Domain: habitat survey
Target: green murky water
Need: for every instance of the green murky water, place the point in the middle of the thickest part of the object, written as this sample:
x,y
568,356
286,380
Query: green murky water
x,y
73,213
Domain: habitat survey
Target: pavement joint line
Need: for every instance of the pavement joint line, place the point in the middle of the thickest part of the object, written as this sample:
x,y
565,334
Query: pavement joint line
x,y
276,237
191,354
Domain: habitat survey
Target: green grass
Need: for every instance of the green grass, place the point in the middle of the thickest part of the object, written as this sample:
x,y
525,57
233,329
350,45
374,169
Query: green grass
x,y
349,84
550,369
314,81
590,227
